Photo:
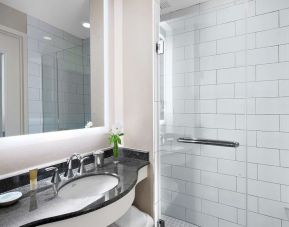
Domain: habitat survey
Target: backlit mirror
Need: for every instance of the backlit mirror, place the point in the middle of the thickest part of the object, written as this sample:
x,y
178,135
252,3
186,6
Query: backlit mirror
x,y
50,89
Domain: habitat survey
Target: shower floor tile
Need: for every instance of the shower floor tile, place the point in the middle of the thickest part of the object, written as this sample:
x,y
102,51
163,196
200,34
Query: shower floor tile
x,y
173,222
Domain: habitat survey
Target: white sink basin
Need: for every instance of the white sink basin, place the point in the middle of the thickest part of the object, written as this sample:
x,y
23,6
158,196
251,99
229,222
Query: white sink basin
x,y
88,186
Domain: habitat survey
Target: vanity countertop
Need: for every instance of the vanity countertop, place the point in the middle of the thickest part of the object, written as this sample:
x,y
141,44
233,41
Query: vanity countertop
x,y
44,205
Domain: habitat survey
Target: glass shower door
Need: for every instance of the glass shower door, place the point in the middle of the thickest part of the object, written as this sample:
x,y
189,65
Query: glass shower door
x,y
203,177
71,88
50,93
66,88
267,85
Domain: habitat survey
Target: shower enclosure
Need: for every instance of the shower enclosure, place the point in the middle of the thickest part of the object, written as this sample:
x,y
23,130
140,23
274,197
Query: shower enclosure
x,y
66,88
224,114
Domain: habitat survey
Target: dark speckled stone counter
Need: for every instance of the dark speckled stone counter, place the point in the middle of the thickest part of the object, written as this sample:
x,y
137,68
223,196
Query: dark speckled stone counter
x,y
45,206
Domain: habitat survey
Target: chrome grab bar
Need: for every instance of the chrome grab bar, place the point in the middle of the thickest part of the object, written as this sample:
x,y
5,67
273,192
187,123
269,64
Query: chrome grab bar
x,y
221,143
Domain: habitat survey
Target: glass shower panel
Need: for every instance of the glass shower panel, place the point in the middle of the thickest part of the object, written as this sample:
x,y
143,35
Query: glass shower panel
x,y
204,84
66,88
86,80
268,112
71,88
50,92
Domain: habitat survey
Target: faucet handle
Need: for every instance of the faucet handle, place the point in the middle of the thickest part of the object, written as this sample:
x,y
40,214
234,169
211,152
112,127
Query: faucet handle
x,y
55,177
69,172
68,166
77,155
74,156
82,159
82,169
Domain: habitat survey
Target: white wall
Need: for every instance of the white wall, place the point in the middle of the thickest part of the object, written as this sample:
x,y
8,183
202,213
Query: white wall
x,y
138,103
205,94
12,18
97,61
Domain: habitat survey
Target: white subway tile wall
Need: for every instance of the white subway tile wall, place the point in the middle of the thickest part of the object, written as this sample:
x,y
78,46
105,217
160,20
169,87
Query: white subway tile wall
x,y
69,56
218,66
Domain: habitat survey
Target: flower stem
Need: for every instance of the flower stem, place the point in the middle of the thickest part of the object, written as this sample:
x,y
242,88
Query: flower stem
x,y
115,150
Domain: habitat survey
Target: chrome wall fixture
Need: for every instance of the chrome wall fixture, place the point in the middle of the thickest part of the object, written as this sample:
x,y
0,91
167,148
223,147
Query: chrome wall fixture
x,y
221,143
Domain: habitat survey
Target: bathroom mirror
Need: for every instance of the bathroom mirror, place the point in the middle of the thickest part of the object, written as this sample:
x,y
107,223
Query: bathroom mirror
x,y
55,83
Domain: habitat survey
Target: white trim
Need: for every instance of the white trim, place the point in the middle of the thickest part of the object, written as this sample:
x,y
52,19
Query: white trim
x,y
142,174
12,31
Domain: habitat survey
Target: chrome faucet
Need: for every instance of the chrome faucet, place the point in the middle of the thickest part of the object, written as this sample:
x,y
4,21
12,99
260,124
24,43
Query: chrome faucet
x,y
82,169
55,177
69,172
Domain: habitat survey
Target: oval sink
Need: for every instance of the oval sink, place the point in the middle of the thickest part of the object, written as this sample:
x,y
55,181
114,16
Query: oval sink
x,y
88,186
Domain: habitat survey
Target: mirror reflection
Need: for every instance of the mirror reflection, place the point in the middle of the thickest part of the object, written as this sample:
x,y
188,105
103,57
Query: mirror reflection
x,y
65,86
54,89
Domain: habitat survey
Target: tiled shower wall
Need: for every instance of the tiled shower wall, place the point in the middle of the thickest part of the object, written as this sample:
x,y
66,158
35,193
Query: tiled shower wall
x,y
206,83
72,64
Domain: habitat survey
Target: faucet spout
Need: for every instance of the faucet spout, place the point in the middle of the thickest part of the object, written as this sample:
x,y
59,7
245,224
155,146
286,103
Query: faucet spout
x,y
82,169
69,172
55,177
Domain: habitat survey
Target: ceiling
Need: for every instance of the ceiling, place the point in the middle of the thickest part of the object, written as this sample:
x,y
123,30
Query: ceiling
x,y
168,6
67,15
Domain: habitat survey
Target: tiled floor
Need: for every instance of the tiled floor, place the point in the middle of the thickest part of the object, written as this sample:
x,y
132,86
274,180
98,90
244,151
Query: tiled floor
x,y
172,222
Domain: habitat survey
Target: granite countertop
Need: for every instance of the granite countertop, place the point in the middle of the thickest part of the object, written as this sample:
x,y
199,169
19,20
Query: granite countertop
x,y
45,206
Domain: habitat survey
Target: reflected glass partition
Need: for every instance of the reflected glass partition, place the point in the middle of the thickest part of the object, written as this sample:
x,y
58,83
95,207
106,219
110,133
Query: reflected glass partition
x,y
66,88
49,93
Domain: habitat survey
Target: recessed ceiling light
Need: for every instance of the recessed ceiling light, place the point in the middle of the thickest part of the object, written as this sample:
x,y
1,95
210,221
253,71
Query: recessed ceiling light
x,y
47,38
86,24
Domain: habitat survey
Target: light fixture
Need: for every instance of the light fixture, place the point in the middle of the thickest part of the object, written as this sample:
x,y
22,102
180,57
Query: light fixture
x,y
47,38
86,25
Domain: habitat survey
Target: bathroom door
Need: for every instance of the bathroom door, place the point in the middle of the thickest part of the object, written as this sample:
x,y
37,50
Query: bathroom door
x,y
11,80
